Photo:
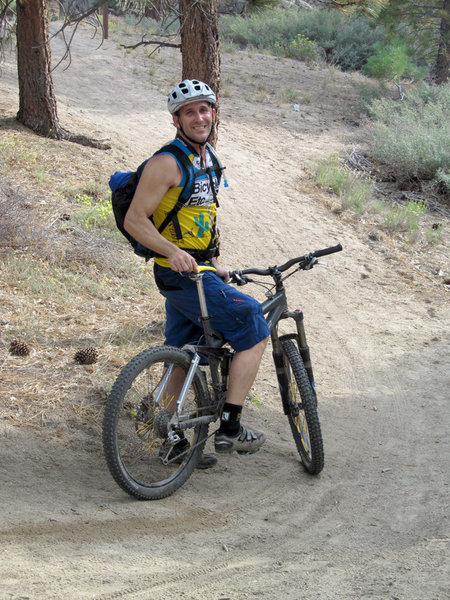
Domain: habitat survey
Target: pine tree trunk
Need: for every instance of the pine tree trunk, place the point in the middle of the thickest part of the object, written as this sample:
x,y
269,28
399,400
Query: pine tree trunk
x,y
37,102
443,56
200,45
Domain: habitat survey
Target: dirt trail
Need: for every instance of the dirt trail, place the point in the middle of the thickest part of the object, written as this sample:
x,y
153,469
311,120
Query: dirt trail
x,y
373,525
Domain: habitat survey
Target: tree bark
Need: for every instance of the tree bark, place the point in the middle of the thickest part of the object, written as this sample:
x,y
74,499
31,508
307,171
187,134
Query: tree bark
x,y
443,55
37,102
200,46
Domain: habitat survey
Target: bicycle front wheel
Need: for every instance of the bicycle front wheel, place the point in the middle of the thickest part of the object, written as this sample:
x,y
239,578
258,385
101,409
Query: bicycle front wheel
x,y
302,410
138,451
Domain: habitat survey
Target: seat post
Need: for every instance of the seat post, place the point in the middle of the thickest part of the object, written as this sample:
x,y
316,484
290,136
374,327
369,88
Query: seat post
x,y
201,294
205,317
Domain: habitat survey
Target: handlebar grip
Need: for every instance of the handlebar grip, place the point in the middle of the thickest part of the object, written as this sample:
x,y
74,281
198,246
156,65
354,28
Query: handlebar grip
x,y
203,268
326,251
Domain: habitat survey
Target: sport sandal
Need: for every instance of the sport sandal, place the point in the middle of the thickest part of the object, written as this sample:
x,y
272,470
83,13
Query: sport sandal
x,y
179,451
245,442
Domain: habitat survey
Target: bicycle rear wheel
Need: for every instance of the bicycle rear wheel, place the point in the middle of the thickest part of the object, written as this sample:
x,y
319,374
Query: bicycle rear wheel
x,y
302,410
138,453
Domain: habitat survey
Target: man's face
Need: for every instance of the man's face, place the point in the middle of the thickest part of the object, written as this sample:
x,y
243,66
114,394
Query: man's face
x,y
196,120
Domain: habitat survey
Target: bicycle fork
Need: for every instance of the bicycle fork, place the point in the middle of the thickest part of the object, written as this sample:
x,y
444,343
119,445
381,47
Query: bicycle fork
x,y
279,356
297,315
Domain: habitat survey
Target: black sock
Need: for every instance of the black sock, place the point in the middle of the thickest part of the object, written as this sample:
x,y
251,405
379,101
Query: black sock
x,y
230,419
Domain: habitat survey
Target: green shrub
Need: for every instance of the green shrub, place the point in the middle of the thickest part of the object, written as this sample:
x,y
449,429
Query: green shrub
x,y
302,48
271,30
412,137
345,41
442,178
95,214
405,217
433,234
356,194
353,191
391,62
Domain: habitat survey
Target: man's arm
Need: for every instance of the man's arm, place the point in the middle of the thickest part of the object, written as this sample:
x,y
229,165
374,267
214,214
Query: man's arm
x,y
160,174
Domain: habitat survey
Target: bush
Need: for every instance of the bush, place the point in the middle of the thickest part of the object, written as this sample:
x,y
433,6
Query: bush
x,y
270,30
391,63
353,190
345,41
302,48
412,137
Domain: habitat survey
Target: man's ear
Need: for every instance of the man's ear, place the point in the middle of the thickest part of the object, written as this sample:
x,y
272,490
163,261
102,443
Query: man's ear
x,y
176,121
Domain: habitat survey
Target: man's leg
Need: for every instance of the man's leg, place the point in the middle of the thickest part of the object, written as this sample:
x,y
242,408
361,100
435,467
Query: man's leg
x,y
243,371
239,318
231,434
180,330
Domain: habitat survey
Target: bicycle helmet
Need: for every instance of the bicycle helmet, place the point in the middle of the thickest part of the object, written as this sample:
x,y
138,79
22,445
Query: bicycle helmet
x,y
189,90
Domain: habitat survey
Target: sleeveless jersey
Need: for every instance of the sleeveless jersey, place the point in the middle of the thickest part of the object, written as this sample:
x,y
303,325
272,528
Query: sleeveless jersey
x,y
194,227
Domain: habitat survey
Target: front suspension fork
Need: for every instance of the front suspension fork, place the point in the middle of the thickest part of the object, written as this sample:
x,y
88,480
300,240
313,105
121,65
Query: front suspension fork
x,y
278,355
297,315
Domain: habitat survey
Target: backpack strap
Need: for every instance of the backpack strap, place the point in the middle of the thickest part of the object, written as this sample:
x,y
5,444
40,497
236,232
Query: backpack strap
x,y
188,187
186,192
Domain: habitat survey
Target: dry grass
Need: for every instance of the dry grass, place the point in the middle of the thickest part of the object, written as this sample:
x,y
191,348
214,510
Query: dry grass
x,y
63,288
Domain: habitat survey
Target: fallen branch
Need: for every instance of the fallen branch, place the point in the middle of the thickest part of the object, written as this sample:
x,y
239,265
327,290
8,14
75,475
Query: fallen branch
x,y
358,161
159,44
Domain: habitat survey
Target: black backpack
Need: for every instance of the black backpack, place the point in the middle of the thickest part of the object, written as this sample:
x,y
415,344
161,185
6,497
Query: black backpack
x,y
123,186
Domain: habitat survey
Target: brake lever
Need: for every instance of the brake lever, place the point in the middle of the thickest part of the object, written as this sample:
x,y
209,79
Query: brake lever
x,y
239,279
309,265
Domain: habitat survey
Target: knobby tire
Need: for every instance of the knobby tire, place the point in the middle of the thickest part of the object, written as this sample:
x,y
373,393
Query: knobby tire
x,y
133,444
302,410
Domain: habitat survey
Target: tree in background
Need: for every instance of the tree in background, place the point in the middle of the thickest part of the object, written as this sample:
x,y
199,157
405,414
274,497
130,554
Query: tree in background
x,y
392,63
425,26
37,102
199,28
199,32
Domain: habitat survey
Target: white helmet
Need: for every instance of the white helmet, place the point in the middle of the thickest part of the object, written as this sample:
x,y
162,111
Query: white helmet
x,y
189,90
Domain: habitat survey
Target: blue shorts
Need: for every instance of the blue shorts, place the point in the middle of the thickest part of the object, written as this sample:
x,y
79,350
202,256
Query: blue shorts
x,y
237,316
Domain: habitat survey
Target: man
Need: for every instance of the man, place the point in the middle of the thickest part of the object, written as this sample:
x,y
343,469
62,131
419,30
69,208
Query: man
x,y
192,238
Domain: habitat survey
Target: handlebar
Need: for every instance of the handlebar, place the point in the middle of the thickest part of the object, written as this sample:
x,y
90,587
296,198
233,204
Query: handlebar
x,y
305,262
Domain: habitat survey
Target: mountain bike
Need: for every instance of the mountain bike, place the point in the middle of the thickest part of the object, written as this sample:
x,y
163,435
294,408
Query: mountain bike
x,y
166,394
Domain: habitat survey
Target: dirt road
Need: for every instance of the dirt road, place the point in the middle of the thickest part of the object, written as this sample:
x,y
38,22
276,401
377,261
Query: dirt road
x,y
373,525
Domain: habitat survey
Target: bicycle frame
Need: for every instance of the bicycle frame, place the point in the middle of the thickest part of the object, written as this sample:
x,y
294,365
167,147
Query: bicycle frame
x,y
275,308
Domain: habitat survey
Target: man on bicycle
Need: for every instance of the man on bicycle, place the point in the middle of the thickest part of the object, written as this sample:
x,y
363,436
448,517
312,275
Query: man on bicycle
x,y
191,239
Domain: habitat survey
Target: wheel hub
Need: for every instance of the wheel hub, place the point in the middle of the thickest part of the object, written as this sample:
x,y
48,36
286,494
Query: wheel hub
x,y
161,423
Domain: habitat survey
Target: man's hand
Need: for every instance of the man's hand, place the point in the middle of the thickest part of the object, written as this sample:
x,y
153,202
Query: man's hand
x,y
222,272
182,262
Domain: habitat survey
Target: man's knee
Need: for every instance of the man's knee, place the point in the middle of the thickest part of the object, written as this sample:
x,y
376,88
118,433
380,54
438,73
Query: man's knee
x,y
260,346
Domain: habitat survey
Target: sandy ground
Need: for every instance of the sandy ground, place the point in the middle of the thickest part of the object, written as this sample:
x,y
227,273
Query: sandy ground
x,y
373,525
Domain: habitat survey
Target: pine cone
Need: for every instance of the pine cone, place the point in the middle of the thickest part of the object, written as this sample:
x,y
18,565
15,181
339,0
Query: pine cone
x,y
87,356
19,348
